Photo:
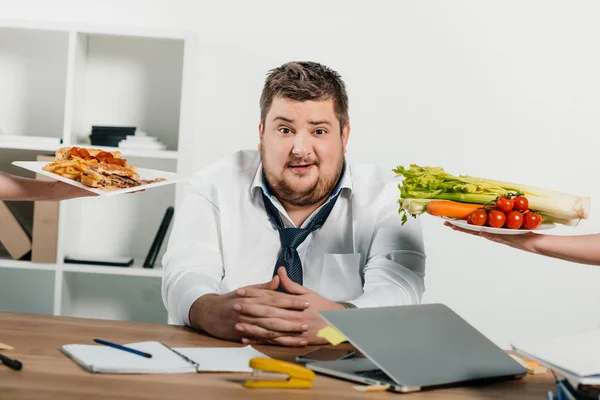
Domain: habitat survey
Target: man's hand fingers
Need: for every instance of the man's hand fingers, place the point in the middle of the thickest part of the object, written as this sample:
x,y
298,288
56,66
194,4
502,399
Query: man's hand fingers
x,y
291,341
275,324
250,291
290,286
281,341
288,302
257,332
456,228
264,311
279,300
273,284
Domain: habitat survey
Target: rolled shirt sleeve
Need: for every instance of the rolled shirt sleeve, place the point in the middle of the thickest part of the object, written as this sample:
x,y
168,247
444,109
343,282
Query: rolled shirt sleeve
x,y
394,271
193,262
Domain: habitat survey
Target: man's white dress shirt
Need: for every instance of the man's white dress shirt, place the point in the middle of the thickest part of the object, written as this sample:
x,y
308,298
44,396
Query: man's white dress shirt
x,y
222,239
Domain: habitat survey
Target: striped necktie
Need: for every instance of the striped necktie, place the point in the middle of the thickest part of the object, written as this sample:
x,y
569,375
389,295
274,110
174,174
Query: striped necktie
x,y
291,238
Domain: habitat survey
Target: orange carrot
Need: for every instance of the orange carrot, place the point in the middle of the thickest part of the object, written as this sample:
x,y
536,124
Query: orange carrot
x,y
451,209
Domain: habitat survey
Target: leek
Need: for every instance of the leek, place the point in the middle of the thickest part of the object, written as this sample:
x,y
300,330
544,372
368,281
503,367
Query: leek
x,y
421,184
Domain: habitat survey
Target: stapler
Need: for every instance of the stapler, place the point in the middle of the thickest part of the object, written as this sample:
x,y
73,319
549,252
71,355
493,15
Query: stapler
x,y
271,373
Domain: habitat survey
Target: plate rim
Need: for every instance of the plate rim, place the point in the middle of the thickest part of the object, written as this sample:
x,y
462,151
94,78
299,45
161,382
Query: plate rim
x,y
497,231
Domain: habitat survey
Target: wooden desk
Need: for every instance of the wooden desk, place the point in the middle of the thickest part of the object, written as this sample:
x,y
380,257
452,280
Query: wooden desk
x,y
49,374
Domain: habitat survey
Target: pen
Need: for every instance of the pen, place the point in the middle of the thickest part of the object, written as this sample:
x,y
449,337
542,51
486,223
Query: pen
x,y
9,362
118,346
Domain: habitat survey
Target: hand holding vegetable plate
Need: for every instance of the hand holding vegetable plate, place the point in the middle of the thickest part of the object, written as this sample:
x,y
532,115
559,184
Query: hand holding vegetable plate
x,y
485,205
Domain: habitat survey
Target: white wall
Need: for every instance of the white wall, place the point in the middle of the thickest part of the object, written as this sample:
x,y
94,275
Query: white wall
x,y
465,85
22,55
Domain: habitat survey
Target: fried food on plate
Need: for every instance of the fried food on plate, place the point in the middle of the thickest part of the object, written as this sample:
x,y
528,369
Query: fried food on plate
x,y
94,168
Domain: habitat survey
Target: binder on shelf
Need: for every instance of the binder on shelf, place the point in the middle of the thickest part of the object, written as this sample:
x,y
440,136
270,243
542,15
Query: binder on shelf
x,y
103,262
110,135
159,238
121,129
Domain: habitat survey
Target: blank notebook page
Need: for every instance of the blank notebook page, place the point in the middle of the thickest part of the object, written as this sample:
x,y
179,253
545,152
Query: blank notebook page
x,y
99,358
222,359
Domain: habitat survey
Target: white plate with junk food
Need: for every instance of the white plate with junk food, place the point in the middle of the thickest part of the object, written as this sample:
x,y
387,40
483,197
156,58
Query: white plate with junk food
x,y
463,224
104,173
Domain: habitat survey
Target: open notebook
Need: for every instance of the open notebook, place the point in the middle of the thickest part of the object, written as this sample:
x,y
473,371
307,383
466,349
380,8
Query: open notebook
x,y
165,360
576,356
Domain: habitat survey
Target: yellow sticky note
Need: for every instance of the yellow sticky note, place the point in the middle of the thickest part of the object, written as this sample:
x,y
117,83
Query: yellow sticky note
x,y
5,347
372,388
533,368
332,335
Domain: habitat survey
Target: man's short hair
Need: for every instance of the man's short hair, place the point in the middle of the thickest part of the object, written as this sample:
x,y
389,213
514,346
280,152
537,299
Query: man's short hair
x,y
304,81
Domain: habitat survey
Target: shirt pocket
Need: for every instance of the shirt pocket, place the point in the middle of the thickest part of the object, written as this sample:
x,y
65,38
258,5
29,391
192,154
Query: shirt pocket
x,y
341,277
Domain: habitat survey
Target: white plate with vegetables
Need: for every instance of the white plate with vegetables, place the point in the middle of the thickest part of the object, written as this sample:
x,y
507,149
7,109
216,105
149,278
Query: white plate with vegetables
x,y
486,205
461,223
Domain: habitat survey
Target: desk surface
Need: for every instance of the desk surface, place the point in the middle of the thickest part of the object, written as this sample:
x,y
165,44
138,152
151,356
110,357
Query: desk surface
x,y
47,373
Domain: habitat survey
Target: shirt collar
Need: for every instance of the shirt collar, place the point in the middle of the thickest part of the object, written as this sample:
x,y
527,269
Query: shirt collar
x,y
344,183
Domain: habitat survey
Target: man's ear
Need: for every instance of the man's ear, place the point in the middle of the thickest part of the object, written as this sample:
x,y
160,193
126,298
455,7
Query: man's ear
x,y
345,135
260,130
260,134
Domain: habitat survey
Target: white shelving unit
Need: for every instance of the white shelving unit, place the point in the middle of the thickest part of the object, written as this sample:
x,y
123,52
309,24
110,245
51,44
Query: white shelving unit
x,y
56,81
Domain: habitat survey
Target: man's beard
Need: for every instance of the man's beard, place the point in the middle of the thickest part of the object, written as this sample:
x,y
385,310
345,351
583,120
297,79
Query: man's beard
x,y
313,195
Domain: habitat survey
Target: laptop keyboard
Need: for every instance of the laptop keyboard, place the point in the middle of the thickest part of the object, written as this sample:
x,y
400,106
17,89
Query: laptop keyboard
x,y
375,374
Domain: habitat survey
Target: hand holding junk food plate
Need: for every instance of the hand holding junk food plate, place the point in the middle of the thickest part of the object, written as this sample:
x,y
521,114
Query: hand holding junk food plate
x,y
486,205
102,172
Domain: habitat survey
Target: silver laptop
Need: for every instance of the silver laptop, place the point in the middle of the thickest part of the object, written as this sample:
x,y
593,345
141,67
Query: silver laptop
x,y
416,347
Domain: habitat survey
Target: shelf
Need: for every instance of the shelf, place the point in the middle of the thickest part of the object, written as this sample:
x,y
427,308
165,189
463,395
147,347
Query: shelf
x,y
38,145
156,154
16,264
101,29
134,270
31,143
57,81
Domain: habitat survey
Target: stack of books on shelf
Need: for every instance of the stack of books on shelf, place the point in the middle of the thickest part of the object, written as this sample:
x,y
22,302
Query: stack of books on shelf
x,y
124,137
110,135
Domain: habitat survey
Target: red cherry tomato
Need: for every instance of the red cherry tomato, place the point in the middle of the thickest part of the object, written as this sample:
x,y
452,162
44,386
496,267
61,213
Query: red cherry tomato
x,y
514,220
532,220
505,204
479,217
496,219
521,203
